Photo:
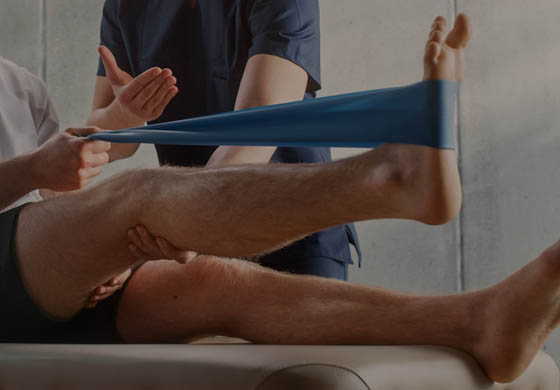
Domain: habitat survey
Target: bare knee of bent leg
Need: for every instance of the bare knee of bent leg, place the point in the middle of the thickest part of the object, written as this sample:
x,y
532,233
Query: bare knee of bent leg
x,y
168,302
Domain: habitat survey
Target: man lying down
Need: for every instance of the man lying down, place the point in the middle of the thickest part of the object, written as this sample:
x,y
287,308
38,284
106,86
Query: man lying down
x,y
55,253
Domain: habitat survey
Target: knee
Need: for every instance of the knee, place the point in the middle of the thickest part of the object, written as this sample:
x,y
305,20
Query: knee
x,y
218,275
221,284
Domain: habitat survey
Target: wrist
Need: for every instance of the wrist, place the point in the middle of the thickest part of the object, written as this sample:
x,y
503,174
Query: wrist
x,y
120,117
34,177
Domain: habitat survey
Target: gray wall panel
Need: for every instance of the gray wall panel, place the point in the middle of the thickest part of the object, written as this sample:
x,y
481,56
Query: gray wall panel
x,y
509,122
20,33
72,41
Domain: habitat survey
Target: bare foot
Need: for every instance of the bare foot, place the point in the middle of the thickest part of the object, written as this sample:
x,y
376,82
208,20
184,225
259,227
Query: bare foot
x,y
431,190
517,317
444,57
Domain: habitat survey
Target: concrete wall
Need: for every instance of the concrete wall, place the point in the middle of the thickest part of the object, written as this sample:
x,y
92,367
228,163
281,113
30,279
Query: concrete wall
x,y
509,128
506,123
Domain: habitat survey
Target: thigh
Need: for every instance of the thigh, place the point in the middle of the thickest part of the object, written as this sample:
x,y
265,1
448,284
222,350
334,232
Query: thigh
x,y
21,319
67,246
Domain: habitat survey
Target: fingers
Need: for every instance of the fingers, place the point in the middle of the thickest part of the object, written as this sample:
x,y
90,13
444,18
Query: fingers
x,y
145,246
167,249
91,166
165,79
173,253
138,84
121,279
93,155
160,107
83,131
98,160
158,96
86,144
141,249
101,297
101,293
136,252
114,73
149,242
96,146
148,95
460,36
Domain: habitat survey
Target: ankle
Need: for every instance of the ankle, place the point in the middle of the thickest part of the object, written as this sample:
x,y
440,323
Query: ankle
x,y
438,187
429,184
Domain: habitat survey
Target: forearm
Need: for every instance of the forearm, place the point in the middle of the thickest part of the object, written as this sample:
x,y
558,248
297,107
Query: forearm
x,y
239,155
112,118
17,178
266,80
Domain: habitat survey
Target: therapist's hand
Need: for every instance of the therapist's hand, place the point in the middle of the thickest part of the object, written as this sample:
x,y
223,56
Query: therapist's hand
x,y
143,98
144,246
106,290
69,161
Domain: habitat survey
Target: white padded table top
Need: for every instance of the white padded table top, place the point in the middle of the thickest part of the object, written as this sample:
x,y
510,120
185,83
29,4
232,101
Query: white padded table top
x,y
255,367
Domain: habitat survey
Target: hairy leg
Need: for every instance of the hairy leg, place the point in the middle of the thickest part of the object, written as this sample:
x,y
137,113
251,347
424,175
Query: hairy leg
x,y
70,245
278,205
166,302
503,326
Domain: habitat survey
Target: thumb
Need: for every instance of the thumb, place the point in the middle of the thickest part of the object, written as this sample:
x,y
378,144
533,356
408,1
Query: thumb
x,y
114,73
84,131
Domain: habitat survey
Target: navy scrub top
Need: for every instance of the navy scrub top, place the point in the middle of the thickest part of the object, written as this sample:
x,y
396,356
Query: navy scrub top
x,y
207,48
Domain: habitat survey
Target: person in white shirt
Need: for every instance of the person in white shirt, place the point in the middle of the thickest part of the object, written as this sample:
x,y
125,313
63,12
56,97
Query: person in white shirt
x,y
29,126
27,117
55,252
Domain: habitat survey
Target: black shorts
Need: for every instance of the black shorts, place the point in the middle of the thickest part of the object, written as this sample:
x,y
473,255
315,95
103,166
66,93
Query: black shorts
x,y
20,319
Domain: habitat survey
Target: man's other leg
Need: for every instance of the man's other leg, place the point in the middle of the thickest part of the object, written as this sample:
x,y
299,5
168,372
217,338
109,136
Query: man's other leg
x,y
503,326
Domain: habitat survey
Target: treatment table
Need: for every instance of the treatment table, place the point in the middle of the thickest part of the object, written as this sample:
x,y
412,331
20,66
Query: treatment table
x,y
254,367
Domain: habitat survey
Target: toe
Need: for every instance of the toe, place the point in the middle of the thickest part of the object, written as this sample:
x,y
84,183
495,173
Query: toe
x,y
436,36
460,35
433,51
440,19
440,24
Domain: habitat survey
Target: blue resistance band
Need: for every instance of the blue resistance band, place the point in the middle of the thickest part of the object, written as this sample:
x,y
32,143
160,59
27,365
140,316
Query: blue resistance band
x,y
419,114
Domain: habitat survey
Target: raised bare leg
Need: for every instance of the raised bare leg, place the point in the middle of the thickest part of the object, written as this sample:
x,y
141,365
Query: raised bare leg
x,y
70,245
278,205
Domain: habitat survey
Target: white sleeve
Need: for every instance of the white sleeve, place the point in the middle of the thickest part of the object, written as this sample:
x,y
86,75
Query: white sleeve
x,y
44,114
50,125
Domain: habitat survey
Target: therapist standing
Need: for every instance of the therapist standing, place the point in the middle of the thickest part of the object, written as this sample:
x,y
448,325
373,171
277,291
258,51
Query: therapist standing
x,y
225,55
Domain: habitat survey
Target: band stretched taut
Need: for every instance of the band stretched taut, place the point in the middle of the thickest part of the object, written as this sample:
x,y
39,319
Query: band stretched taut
x,y
419,114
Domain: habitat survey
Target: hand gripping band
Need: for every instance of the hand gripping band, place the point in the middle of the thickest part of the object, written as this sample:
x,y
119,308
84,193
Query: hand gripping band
x,y
419,114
